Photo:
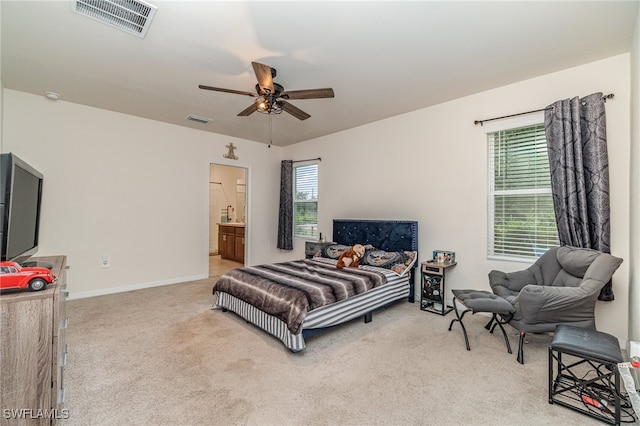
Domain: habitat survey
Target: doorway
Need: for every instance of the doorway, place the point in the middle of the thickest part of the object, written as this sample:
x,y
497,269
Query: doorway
x,y
227,217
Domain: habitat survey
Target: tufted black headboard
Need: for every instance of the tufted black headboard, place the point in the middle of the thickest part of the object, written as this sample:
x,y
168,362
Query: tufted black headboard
x,y
388,235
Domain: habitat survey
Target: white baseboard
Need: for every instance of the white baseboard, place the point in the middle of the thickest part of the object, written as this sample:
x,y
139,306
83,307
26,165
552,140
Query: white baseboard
x,y
122,289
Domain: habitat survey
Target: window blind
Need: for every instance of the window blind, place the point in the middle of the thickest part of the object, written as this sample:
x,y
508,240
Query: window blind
x,y
305,201
522,221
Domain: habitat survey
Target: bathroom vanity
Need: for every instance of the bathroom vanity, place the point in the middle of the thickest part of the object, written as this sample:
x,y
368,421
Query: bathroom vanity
x,y
231,241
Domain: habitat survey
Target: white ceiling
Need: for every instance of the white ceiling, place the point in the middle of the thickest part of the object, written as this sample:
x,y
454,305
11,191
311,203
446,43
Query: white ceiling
x,y
381,58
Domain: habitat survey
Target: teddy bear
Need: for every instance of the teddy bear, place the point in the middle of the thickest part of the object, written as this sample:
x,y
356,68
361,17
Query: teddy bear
x,y
351,257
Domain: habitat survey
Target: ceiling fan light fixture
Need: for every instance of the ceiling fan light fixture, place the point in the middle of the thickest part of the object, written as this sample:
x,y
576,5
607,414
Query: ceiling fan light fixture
x,y
262,104
271,97
268,106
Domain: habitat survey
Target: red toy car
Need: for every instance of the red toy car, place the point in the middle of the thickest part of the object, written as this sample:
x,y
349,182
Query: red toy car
x,y
13,275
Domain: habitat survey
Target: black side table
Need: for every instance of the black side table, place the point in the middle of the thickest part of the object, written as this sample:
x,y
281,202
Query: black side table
x,y
432,294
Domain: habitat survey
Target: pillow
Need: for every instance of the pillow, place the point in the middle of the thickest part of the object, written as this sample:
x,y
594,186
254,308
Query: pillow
x,y
603,267
332,251
397,261
576,260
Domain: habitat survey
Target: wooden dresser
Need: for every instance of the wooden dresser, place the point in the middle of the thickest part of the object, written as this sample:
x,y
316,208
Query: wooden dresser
x,y
33,351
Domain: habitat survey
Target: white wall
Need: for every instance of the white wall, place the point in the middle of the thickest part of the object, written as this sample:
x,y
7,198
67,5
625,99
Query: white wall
x,y
634,230
137,190
133,189
431,166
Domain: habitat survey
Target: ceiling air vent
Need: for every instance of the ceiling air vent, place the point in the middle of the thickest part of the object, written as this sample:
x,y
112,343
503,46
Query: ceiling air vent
x,y
132,16
198,119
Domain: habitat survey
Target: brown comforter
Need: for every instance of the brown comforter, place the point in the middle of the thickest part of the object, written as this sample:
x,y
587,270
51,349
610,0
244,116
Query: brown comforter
x,y
288,290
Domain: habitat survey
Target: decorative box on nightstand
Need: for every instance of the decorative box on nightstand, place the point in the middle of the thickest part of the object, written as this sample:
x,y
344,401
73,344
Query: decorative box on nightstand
x,y
432,294
313,247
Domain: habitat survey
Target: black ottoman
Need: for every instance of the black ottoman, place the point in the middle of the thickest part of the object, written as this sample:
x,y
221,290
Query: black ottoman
x,y
482,301
587,380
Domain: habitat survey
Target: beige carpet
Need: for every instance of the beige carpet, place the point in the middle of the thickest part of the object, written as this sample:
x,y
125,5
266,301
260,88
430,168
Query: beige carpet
x,y
162,356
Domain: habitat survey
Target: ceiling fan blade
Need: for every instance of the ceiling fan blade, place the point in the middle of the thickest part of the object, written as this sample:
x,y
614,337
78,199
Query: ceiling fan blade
x,y
308,94
295,111
265,79
237,92
248,111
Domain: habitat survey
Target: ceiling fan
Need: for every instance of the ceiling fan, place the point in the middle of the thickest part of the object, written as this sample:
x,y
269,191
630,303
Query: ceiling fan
x,y
271,98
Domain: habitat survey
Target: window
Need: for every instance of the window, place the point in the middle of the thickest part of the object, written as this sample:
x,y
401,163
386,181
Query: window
x,y
522,222
305,201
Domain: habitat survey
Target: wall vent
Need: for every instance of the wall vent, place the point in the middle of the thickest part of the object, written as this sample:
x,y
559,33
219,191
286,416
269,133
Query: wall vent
x,y
198,119
132,16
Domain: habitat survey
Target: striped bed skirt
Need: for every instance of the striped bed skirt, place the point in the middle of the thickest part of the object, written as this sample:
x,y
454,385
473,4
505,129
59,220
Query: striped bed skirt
x,y
395,289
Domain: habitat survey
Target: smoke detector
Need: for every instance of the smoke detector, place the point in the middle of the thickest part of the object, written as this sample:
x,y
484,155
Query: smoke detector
x,y
132,16
52,95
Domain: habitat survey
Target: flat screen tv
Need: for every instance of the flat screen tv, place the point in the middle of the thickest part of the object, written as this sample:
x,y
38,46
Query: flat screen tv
x,y
20,205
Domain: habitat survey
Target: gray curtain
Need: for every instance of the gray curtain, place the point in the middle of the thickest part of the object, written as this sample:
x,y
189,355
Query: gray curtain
x,y
577,144
285,221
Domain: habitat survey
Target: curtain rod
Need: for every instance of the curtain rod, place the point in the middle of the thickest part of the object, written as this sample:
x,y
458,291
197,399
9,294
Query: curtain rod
x,y
481,122
310,159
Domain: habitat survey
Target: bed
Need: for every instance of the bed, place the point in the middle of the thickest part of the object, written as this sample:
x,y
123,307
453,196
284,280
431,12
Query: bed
x,y
297,299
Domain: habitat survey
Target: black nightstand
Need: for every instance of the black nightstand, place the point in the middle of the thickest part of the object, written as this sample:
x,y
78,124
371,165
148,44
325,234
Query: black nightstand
x,y
432,294
312,247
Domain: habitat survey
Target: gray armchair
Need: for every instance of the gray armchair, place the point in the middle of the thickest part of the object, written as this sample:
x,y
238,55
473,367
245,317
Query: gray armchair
x,y
561,287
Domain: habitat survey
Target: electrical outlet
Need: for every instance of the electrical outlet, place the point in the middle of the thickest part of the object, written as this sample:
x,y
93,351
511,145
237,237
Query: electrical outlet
x,y
106,262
